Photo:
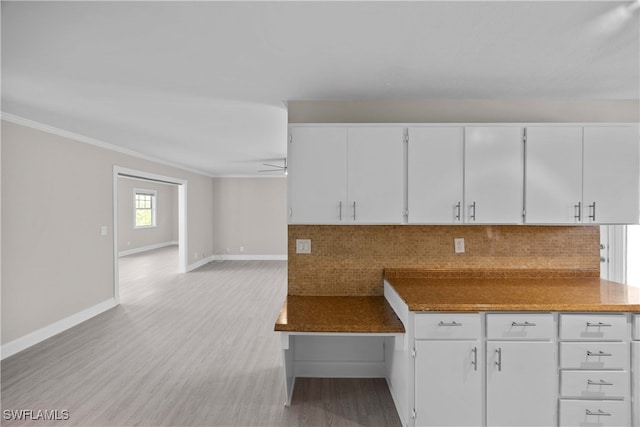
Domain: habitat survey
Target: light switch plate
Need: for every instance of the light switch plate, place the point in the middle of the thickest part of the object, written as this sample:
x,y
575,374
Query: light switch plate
x,y
303,246
459,245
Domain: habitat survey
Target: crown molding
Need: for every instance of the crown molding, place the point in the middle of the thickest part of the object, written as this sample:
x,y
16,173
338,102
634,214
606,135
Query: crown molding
x,y
95,142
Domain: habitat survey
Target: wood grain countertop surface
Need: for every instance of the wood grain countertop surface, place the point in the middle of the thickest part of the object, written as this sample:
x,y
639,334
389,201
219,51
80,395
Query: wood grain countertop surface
x,y
347,314
500,290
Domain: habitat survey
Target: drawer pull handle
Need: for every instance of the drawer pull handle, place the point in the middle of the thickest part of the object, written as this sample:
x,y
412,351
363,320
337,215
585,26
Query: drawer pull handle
x,y
597,325
522,324
601,382
499,361
454,323
475,358
600,353
599,412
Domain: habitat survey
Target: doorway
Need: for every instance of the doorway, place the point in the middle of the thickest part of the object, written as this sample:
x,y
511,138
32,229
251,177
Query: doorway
x,y
146,194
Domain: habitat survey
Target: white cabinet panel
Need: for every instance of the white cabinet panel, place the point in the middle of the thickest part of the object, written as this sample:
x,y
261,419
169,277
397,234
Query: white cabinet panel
x,y
595,384
586,413
594,355
446,326
317,175
553,183
448,383
375,179
521,383
611,175
493,178
635,387
596,327
520,326
435,171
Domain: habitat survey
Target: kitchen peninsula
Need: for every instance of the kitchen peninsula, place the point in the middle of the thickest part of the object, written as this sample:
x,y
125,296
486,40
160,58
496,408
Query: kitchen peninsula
x,y
519,347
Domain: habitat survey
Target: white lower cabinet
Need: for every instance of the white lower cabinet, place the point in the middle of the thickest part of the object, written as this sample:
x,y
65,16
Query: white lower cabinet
x,y
525,369
448,383
521,369
595,387
521,384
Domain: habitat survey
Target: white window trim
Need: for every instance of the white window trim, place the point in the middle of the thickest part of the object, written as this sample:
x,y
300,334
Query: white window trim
x,y
154,207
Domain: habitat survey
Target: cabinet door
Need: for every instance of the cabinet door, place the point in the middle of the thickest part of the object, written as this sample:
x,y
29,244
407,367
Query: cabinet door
x,y
521,383
635,387
375,178
553,182
494,175
317,175
448,383
611,175
435,175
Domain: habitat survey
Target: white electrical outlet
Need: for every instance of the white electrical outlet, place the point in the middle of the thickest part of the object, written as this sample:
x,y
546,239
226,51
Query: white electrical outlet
x,y
303,246
459,245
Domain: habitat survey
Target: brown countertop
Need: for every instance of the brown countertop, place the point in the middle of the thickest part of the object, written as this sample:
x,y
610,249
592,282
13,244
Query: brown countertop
x,y
517,292
366,314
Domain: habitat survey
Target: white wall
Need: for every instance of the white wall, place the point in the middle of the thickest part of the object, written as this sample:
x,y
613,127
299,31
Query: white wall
x,y
250,213
165,232
57,193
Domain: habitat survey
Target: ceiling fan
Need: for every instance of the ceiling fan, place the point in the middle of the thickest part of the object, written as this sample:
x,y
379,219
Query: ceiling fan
x,y
276,168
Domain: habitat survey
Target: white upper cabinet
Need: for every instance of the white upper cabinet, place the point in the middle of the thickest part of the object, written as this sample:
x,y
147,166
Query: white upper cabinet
x,y
494,173
611,175
553,182
341,175
317,175
375,175
435,162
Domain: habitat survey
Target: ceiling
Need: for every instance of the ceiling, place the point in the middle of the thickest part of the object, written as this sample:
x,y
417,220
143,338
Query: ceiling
x,y
205,84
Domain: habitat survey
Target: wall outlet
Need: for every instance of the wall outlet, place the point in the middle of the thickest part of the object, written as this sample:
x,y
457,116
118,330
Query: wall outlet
x,y
459,245
103,230
303,246
241,248
195,255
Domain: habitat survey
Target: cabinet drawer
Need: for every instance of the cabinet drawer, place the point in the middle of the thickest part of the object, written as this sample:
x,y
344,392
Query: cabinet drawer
x,y
595,384
636,327
447,326
519,326
594,355
594,413
601,327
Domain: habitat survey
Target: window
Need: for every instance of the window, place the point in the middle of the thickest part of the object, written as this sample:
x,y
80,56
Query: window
x,y
145,208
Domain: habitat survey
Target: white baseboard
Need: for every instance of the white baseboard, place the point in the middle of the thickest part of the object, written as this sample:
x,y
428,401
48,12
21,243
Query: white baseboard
x,y
26,341
250,257
146,248
200,263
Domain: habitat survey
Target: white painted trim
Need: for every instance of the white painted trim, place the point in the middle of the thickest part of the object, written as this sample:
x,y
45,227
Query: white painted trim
x,y
249,257
339,369
199,264
26,341
92,141
147,248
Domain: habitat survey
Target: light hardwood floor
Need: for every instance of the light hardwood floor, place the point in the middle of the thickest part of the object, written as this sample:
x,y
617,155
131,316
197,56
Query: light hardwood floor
x,y
195,349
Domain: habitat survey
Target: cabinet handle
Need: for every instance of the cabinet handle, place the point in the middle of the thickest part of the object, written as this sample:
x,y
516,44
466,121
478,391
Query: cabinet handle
x,y
599,412
592,215
472,211
499,361
579,208
340,210
454,323
458,211
601,382
597,325
474,350
522,324
599,353
354,211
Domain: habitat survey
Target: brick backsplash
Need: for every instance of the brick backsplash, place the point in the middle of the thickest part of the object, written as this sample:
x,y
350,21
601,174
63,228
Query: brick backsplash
x,y
349,260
